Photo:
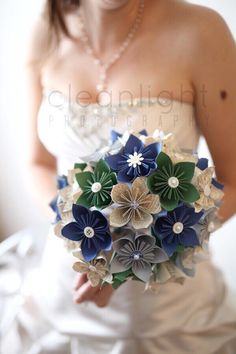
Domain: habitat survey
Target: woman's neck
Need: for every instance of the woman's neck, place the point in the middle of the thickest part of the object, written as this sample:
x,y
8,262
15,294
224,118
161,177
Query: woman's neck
x,y
107,22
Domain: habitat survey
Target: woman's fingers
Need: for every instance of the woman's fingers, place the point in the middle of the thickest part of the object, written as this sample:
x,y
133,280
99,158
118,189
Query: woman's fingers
x,y
85,292
103,296
80,280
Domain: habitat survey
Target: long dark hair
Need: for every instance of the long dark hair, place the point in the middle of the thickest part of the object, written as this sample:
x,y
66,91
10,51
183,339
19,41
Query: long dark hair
x,y
55,12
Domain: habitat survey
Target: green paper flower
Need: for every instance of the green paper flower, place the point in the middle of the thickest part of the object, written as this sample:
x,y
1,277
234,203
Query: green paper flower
x,y
96,186
173,182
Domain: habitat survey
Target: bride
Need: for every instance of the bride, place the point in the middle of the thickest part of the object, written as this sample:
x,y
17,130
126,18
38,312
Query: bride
x,y
93,66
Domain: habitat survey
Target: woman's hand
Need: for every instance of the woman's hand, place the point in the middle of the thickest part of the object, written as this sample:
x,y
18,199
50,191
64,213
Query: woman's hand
x,y
84,291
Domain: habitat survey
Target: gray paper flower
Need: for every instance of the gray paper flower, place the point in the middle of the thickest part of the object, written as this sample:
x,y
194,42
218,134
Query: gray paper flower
x,y
137,252
206,225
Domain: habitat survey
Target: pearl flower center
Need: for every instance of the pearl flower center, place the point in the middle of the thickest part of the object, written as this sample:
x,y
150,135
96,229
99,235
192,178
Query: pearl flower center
x,y
135,159
96,187
178,227
89,231
207,190
173,182
136,255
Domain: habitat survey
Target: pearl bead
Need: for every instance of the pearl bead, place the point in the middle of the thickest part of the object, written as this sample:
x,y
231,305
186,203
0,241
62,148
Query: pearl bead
x,y
89,231
136,255
178,227
173,182
96,187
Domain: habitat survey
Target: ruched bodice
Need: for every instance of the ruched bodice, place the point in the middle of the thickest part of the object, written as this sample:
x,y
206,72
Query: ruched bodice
x,y
71,130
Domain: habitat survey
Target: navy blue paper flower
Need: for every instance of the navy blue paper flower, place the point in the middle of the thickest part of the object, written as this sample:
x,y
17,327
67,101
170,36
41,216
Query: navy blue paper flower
x,y
62,182
134,160
91,228
175,228
54,206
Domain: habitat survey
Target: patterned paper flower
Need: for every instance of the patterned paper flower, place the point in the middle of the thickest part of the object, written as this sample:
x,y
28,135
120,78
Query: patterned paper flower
x,y
210,195
91,229
137,252
135,204
96,270
96,186
175,228
134,159
173,182
163,273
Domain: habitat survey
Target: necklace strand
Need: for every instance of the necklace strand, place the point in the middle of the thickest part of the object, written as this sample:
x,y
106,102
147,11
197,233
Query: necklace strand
x,y
104,67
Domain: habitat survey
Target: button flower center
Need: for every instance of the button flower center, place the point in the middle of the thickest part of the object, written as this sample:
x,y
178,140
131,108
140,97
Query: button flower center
x,y
173,182
178,227
96,187
135,159
89,231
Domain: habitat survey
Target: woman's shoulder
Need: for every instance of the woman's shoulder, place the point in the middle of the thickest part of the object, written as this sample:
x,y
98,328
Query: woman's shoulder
x,y
39,42
205,25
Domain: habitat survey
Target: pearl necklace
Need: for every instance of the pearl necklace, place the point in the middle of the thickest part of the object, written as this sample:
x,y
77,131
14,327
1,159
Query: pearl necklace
x,y
103,67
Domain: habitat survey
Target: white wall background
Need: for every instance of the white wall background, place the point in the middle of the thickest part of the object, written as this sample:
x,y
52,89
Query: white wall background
x,y
16,206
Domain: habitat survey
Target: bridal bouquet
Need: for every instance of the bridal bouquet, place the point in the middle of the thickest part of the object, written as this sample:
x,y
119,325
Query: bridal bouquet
x,y
138,208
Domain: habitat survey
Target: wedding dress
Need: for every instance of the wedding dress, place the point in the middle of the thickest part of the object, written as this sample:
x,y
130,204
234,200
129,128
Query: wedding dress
x,y
196,317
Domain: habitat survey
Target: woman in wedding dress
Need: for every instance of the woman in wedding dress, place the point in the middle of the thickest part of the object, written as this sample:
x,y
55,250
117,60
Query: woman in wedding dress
x,y
93,66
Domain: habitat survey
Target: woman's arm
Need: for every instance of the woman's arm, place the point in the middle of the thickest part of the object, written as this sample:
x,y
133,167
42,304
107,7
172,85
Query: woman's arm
x,y
41,164
214,72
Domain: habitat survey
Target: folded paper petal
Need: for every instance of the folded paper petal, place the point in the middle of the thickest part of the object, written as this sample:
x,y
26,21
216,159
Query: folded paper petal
x,y
142,270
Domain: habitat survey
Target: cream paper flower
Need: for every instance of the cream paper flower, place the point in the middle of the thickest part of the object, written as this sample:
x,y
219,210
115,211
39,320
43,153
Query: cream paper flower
x,y
135,204
209,194
96,270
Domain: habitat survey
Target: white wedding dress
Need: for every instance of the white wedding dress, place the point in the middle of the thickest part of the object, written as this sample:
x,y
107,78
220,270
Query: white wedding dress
x,y
196,317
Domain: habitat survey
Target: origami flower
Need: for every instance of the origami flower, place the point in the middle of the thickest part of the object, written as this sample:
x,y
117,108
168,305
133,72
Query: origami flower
x,y
134,159
135,204
163,273
175,228
137,252
61,184
96,270
96,186
209,194
91,229
209,223
172,182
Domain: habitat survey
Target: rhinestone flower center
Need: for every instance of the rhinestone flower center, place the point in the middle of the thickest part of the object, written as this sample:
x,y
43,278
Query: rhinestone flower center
x,y
178,227
89,231
96,187
134,204
173,182
207,190
136,255
135,159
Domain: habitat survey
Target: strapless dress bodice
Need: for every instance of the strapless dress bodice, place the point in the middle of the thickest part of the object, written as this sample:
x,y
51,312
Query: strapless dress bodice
x,y
71,130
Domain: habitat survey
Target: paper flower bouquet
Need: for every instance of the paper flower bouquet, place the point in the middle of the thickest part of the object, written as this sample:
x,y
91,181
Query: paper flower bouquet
x,y
138,208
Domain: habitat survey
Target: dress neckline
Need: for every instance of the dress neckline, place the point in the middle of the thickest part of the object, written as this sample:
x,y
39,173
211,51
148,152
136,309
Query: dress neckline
x,y
134,102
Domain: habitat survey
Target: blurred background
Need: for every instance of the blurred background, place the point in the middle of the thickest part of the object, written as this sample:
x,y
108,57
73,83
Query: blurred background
x,y
17,209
